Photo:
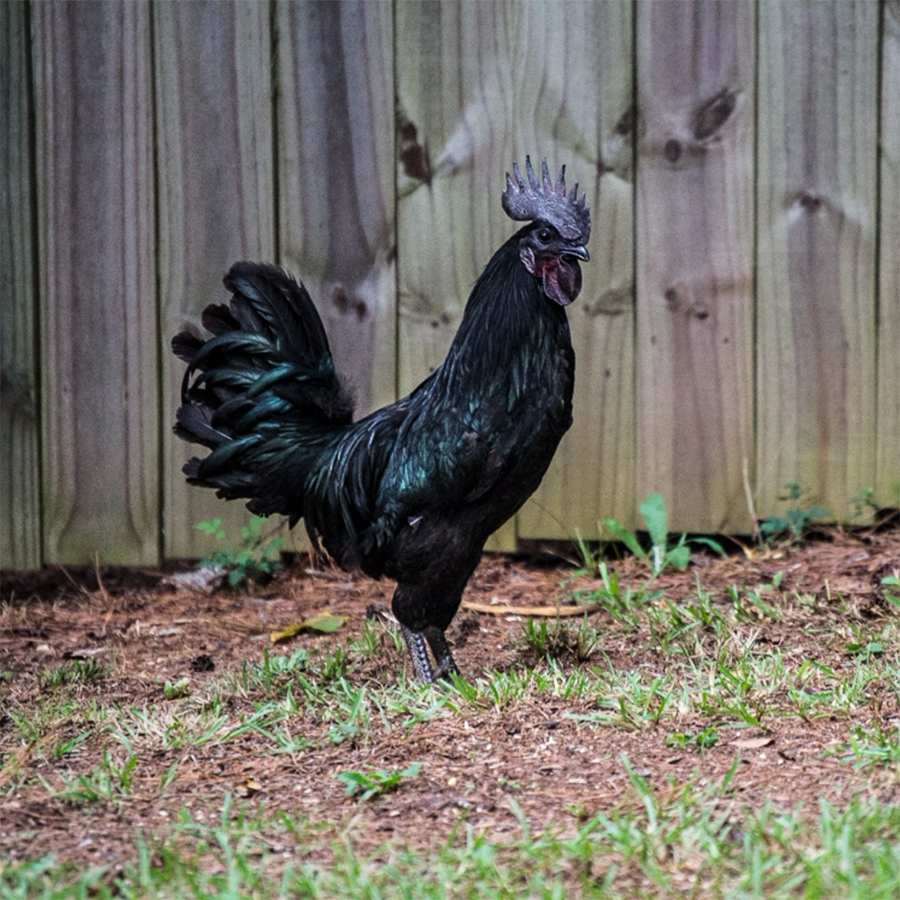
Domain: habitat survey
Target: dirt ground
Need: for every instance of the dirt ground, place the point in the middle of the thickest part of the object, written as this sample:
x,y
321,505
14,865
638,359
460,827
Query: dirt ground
x,y
558,769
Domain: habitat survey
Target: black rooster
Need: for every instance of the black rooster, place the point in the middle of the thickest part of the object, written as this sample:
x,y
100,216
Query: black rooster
x,y
414,490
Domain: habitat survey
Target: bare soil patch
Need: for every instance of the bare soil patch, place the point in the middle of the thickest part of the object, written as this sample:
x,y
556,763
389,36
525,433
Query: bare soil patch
x,y
557,767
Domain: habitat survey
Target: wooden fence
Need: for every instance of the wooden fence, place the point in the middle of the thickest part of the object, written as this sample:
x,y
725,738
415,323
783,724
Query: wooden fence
x,y
739,326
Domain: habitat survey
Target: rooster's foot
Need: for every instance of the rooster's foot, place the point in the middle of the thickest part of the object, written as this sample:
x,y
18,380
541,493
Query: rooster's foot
x,y
446,664
418,651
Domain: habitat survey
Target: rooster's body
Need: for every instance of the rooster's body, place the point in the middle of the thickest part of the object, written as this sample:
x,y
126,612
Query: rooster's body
x,y
413,490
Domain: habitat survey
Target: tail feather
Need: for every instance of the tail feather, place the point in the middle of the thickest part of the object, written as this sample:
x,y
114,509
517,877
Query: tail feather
x,y
194,422
261,393
282,310
185,346
190,470
217,319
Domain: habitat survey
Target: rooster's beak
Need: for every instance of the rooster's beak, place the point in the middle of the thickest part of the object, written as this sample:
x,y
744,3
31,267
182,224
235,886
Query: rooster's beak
x,y
581,252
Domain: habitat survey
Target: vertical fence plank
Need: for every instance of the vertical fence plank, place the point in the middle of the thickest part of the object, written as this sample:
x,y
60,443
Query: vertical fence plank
x,y
20,533
99,384
816,261
216,202
454,86
480,85
581,67
695,258
336,179
887,482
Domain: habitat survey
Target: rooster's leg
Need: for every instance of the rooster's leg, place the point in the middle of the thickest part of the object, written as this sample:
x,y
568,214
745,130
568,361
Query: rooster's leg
x,y
446,664
415,640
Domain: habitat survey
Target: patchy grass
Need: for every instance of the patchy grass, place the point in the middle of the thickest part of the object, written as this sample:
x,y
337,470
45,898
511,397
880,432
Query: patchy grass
x,y
732,731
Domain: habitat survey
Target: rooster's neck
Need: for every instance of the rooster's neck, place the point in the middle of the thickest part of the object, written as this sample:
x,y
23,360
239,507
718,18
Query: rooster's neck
x,y
511,335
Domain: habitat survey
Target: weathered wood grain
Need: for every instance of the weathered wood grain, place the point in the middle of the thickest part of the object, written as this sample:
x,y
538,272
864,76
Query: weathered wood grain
x,y
695,259
335,146
585,85
455,86
20,532
215,155
887,473
816,349
96,224
276,132
456,74
480,85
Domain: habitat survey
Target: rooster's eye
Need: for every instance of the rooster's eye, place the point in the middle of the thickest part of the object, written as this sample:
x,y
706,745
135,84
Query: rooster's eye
x,y
544,236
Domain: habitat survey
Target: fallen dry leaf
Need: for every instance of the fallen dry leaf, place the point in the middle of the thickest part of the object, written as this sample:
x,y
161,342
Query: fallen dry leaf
x,y
325,623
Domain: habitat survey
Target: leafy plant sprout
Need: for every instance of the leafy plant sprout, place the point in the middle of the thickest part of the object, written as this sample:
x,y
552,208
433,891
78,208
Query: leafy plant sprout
x,y
661,554
256,558
795,521
369,785
559,640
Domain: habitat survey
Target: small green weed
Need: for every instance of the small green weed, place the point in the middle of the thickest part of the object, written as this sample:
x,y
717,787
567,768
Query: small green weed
x,y
559,639
748,603
75,671
864,502
793,524
256,559
661,554
625,605
106,783
702,740
369,641
892,595
875,746
274,672
175,690
366,786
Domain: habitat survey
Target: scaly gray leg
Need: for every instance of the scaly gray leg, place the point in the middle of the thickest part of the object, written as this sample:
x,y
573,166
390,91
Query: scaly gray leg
x,y
419,653
446,664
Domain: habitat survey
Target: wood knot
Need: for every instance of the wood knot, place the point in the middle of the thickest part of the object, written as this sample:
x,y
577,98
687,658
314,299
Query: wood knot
x,y
809,202
714,113
807,205
613,302
345,304
413,155
679,299
672,150
625,126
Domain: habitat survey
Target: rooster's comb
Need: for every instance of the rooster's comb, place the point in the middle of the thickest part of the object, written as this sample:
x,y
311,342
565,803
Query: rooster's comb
x,y
542,199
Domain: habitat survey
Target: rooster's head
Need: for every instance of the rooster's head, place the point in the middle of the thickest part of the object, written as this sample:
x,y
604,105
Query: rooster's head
x,y
557,240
